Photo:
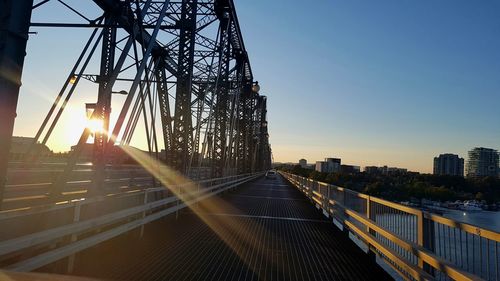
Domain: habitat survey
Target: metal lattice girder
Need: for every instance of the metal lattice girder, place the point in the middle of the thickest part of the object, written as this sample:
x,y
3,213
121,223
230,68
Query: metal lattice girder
x,y
126,18
166,118
263,151
245,122
222,96
167,46
201,93
61,181
103,107
182,135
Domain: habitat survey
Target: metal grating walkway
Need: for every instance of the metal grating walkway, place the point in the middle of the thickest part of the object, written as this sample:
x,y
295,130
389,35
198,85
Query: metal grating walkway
x,y
265,230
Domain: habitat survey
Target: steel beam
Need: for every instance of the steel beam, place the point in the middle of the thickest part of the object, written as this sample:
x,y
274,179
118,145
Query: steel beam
x,y
15,17
222,95
165,116
103,106
183,133
244,128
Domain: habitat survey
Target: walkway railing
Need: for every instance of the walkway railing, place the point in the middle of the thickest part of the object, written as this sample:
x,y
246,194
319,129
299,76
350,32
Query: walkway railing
x,y
30,187
33,237
416,244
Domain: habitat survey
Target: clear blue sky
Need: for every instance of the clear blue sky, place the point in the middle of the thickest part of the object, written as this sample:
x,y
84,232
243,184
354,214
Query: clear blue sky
x,y
377,82
386,82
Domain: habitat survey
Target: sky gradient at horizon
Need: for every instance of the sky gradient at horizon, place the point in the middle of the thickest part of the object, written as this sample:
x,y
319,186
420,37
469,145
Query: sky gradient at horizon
x,y
383,82
377,82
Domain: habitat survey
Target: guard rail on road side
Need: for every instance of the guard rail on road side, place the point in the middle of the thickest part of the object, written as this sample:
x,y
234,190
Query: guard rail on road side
x,y
33,237
31,186
416,244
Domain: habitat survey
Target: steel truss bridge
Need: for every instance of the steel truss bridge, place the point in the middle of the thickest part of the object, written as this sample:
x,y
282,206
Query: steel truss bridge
x,y
188,77
195,205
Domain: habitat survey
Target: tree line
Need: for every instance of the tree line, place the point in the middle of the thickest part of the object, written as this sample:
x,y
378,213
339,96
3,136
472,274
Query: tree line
x,y
408,186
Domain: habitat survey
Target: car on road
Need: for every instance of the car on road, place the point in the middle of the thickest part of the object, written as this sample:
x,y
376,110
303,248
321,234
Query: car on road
x,y
271,174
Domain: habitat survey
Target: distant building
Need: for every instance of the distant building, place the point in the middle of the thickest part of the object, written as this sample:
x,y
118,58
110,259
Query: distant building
x,y
385,170
20,146
349,169
482,162
372,170
303,163
393,170
321,166
330,165
449,164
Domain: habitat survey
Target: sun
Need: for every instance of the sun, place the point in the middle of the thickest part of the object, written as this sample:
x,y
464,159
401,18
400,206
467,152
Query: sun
x,y
69,131
95,125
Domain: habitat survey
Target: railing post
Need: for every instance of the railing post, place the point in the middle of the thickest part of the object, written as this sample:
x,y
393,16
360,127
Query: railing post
x,y
74,237
178,199
420,235
344,198
327,199
144,212
131,178
308,188
198,186
345,229
425,238
371,251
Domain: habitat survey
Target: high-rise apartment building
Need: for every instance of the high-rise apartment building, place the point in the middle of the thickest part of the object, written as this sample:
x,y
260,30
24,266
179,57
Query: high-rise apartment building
x,y
449,164
482,162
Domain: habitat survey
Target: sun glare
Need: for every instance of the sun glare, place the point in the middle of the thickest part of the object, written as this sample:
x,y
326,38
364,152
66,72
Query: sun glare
x,y
95,125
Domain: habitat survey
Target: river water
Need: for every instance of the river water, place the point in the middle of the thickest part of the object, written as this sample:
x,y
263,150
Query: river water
x,y
483,219
466,251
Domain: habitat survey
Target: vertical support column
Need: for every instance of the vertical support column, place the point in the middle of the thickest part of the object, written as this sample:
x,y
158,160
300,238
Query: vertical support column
x,y
103,107
244,127
255,132
166,118
197,157
183,133
222,94
15,19
264,156
250,146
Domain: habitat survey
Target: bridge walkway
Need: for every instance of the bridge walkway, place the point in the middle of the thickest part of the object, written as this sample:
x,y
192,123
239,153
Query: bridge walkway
x,y
263,230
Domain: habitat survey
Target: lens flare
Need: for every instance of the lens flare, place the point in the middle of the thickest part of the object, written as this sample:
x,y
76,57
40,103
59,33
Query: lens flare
x,y
231,229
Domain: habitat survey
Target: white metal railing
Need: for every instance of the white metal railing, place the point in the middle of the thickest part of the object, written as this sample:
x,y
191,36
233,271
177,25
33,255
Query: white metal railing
x,y
31,186
25,248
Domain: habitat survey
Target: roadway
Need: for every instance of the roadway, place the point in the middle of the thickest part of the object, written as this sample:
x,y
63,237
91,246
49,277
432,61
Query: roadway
x,y
265,230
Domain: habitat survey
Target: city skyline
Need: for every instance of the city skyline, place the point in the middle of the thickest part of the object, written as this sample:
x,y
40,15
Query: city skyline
x,y
460,170
410,87
398,95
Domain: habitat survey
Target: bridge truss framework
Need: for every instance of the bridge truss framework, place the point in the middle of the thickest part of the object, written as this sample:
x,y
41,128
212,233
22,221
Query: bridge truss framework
x,y
189,82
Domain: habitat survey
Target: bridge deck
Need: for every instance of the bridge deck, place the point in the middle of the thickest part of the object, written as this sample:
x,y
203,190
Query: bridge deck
x,y
275,232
